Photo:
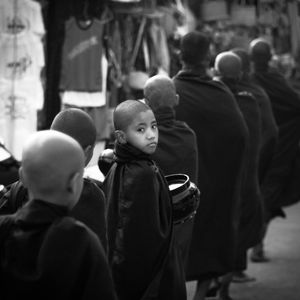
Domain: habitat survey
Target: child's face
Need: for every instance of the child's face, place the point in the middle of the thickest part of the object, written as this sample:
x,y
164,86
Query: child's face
x,y
142,133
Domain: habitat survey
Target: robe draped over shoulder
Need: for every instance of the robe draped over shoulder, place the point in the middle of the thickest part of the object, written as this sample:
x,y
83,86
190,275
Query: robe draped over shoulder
x,y
49,255
269,134
177,145
177,153
211,111
281,187
90,208
251,210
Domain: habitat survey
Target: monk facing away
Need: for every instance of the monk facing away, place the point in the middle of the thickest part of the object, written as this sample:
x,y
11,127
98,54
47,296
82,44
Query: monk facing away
x,y
210,109
45,253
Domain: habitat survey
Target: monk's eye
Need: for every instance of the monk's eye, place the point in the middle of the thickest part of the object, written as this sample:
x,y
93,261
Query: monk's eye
x,y
141,129
154,126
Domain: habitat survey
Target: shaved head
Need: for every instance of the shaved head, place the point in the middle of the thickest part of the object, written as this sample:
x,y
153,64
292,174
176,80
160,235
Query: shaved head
x,y
228,65
50,160
126,111
77,124
194,48
160,91
260,51
244,57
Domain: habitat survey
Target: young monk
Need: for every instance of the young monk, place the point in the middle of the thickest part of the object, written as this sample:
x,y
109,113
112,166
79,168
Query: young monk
x,y
142,255
90,208
45,254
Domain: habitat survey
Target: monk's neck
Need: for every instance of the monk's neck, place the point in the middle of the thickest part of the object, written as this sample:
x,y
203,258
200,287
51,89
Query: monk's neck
x,y
199,69
261,67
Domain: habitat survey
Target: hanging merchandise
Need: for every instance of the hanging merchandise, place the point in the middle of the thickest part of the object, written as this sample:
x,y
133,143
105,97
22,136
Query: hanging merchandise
x,y
292,9
18,16
22,60
160,52
214,10
22,56
83,76
82,51
242,14
190,22
267,14
136,78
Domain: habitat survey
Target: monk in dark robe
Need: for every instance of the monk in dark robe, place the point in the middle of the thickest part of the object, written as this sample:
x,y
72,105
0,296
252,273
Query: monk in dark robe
x,y
269,133
210,109
177,141
90,209
228,67
45,253
144,260
176,151
269,126
281,185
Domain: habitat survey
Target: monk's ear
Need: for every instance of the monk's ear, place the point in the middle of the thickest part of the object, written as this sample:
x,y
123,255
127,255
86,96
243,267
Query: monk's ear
x,y
88,152
22,177
74,187
120,136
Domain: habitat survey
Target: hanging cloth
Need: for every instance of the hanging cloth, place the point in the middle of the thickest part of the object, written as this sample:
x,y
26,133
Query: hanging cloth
x,y
136,79
295,26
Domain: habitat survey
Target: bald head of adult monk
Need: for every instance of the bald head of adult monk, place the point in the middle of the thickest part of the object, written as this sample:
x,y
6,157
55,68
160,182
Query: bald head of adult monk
x,y
160,91
195,49
228,66
260,51
52,168
79,125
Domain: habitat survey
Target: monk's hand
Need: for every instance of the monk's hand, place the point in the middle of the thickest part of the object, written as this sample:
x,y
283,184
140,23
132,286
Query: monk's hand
x,y
107,155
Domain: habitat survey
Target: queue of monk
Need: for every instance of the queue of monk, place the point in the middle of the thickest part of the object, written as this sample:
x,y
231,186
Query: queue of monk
x,y
197,170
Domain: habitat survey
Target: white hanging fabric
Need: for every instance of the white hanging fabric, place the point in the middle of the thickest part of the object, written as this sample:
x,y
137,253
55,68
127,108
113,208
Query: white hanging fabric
x,y
22,59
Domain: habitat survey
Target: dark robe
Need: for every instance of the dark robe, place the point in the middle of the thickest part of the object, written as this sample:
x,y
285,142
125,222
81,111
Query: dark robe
x,y
211,111
269,135
177,153
281,187
90,209
251,205
47,255
142,255
251,211
177,145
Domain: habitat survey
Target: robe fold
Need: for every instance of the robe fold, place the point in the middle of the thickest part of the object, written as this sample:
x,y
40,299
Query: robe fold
x,y
177,153
251,200
177,145
269,134
90,208
281,186
251,205
45,254
211,111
